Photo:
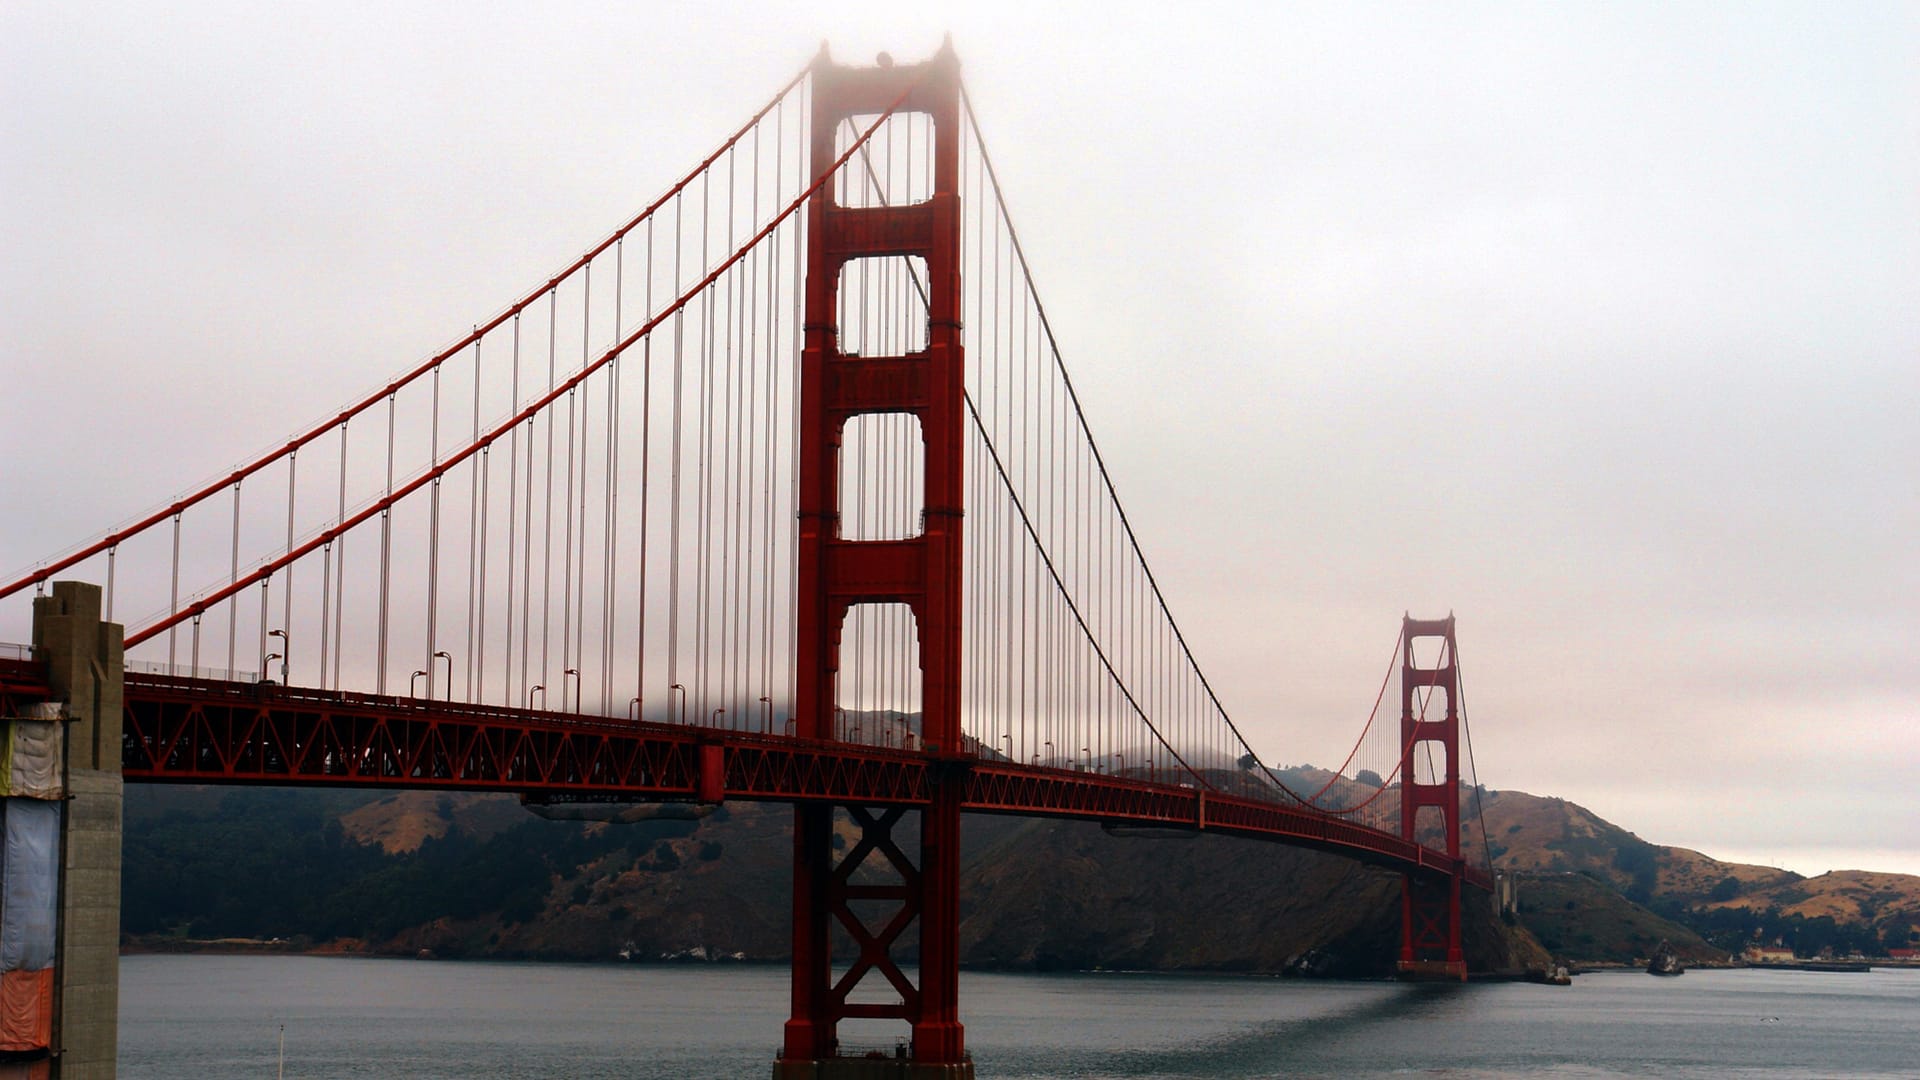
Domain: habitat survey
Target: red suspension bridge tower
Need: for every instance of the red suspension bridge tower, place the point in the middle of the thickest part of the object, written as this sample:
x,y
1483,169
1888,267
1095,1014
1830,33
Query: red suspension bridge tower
x,y
1430,903
922,572
1070,643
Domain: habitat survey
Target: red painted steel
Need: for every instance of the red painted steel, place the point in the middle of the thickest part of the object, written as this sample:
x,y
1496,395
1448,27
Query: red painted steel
x,y
43,574
198,731
24,680
186,730
1430,904
922,572
432,476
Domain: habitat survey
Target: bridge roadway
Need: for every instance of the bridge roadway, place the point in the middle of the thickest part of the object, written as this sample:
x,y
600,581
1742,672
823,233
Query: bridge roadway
x,y
184,730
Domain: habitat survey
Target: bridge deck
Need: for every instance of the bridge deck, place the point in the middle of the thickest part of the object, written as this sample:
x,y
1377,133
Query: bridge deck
x,y
182,730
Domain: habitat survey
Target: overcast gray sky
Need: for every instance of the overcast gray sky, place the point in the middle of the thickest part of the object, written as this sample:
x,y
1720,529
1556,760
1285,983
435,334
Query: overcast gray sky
x,y
1595,325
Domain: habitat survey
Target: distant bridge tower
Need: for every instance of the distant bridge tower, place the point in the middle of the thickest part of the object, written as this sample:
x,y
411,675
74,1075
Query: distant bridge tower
x,y
1430,902
921,572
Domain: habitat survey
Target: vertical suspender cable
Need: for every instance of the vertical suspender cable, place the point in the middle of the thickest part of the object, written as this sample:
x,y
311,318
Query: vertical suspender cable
x,y
609,592
773,365
476,550
286,586
578,588
513,511
646,480
433,541
386,557
796,329
566,560
723,663
173,595
546,543
526,565
674,448
703,496
340,582
326,608
233,609
266,590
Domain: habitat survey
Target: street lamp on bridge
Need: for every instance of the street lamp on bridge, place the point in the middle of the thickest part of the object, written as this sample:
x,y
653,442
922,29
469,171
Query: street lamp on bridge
x,y
448,657
285,648
413,684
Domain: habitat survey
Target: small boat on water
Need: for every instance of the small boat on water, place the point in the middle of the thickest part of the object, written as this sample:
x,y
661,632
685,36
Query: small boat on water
x,y
1665,961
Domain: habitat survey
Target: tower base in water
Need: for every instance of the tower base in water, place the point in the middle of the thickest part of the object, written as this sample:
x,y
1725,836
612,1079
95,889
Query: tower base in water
x,y
1433,971
872,1068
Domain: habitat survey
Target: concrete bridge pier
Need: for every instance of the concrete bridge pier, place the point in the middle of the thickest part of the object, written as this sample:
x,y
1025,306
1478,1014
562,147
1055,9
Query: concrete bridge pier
x,y
85,665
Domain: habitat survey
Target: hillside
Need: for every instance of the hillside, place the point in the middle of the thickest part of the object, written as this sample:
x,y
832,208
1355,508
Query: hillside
x,y
471,875
1583,920
478,875
1730,904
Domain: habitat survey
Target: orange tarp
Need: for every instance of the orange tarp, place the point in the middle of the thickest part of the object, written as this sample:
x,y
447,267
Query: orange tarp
x,y
26,1009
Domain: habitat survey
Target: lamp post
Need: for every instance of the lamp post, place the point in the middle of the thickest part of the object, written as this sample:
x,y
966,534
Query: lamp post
x,y
448,657
267,660
768,702
633,708
1008,737
532,690
713,721
575,672
286,647
683,702
1089,754
1121,769
413,684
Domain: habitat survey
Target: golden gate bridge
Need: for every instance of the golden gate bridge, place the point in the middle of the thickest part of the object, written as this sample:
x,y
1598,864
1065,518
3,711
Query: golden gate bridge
x,y
781,491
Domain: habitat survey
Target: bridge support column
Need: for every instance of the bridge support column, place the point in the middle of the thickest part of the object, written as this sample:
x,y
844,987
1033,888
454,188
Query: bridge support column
x,y
875,893
835,573
84,671
1430,900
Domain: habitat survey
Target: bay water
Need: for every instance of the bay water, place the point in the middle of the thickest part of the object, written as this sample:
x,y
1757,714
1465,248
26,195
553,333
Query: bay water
x,y
218,1017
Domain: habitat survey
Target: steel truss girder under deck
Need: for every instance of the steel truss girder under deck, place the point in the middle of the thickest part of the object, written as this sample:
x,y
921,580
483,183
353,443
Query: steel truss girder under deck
x,y
199,731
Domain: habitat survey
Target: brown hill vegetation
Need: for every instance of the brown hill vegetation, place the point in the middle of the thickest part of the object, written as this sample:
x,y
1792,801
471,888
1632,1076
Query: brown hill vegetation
x,y
1035,894
1541,837
478,875
401,822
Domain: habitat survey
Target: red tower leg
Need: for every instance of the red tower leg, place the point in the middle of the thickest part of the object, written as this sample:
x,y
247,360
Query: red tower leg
x,y
1430,900
922,572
